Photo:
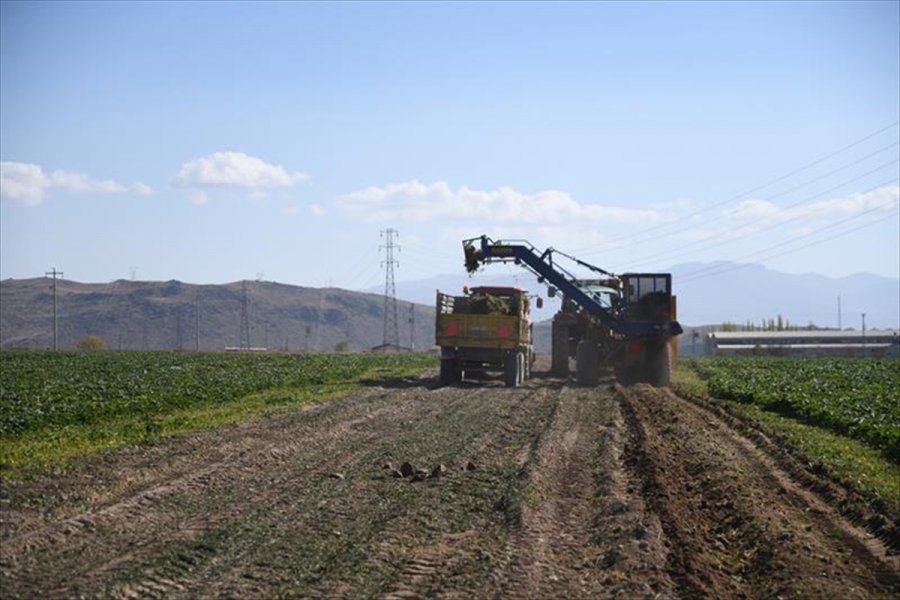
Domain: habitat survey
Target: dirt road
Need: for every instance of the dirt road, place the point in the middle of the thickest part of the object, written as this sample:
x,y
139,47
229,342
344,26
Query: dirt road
x,y
547,491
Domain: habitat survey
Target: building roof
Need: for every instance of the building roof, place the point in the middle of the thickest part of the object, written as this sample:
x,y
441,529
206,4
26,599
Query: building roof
x,y
818,334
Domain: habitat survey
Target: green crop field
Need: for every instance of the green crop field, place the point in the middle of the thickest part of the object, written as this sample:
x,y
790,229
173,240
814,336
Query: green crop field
x,y
53,403
856,397
840,414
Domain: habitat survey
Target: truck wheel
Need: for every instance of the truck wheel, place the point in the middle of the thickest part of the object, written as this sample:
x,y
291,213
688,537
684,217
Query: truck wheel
x,y
529,358
449,372
587,363
559,356
511,372
659,365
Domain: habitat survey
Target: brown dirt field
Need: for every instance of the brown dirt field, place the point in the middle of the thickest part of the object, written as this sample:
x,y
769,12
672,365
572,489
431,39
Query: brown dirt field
x,y
548,491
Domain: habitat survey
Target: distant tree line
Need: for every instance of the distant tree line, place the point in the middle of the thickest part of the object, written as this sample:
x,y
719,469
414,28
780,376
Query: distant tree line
x,y
779,323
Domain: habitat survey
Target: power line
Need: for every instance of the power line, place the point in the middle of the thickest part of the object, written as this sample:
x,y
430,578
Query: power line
x,y
700,275
587,251
791,241
678,250
782,193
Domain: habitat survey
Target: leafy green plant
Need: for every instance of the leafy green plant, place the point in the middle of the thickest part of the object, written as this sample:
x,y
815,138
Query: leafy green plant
x,y
55,406
852,396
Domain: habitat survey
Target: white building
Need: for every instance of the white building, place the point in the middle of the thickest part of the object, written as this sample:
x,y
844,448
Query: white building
x,y
874,343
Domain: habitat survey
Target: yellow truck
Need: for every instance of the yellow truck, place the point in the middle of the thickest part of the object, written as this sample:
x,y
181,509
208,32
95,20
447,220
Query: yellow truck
x,y
488,328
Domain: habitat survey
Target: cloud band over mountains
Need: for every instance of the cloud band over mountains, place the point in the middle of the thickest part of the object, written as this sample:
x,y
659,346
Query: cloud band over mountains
x,y
27,184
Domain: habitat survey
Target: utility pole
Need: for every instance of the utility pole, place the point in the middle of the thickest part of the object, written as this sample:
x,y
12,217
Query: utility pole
x,y
839,314
412,326
179,330
54,273
864,332
244,342
391,329
197,325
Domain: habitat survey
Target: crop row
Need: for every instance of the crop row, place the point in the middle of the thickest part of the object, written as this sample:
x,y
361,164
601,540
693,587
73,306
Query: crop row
x,y
853,396
45,389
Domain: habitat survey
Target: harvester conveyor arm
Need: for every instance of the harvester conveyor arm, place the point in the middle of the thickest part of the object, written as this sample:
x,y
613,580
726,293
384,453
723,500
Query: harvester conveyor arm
x,y
541,264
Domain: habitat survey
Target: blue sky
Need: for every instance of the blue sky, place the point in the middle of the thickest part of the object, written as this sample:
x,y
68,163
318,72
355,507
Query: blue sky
x,y
213,142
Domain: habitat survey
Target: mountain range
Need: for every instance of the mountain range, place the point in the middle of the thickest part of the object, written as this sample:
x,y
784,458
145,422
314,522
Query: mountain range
x,y
175,315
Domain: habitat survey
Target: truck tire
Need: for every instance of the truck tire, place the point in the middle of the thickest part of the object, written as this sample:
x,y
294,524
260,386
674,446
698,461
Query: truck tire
x,y
449,373
559,355
587,363
512,374
659,365
529,360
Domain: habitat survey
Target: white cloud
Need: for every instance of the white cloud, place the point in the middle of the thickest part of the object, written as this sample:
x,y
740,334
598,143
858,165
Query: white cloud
x,y
751,209
234,169
22,183
80,183
418,202
885,198
142,188
197,197
27,184
294,210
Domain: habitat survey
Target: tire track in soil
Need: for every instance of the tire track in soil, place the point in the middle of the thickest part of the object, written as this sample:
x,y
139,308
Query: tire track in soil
x,y
237,526
817,483
246,558
174,512
736,525
583,532
577,492
126,474
426,572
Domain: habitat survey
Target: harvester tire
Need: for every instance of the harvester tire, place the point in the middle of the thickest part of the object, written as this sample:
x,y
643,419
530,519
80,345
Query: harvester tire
x,y
529,360
587,363
559,355
659,365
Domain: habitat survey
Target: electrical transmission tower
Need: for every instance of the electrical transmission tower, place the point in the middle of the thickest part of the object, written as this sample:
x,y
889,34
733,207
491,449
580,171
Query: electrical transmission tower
x,y
54,273
391,327
244,342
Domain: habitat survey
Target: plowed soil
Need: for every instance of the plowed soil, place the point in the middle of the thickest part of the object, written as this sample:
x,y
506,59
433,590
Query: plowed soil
x,y
546,491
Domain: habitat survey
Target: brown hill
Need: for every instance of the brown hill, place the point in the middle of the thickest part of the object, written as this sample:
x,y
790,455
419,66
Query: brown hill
x,y
175,315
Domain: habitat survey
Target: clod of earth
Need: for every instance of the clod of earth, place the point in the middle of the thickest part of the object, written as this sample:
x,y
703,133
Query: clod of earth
x,y
470,466
407,470
439,471
337,475
420,475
